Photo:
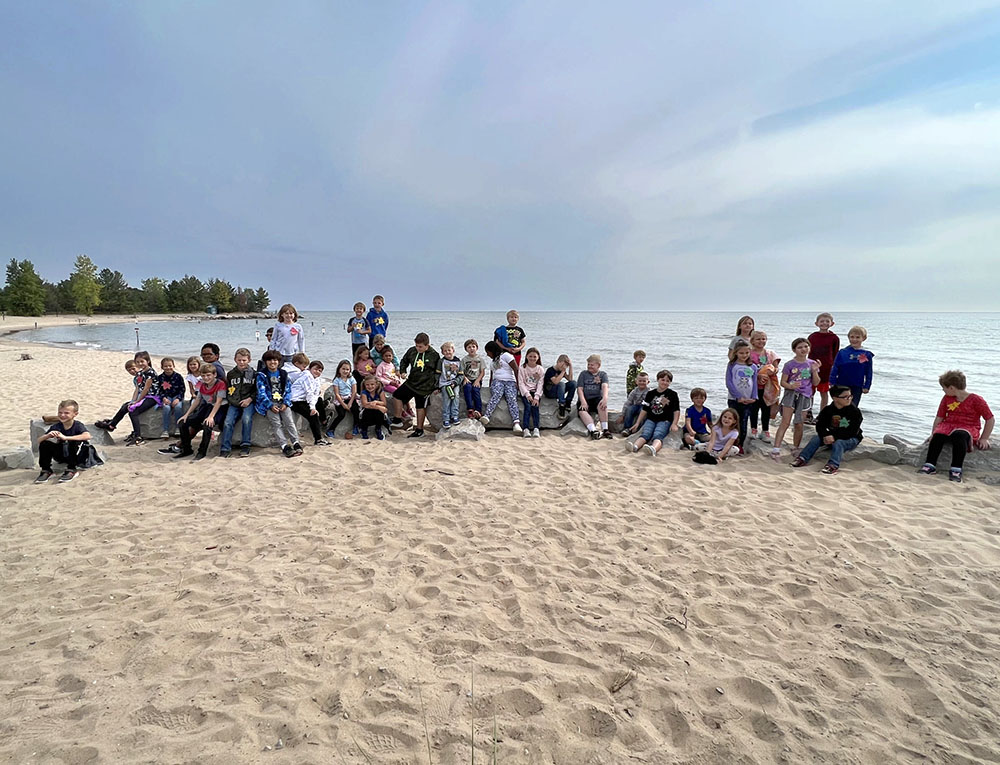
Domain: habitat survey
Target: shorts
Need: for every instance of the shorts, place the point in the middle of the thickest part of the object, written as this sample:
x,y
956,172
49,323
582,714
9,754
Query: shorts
x,y
404,393
592,404
823,387
703,438
798,403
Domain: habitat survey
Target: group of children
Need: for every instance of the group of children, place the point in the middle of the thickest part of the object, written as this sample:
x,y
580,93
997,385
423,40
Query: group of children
x,y
286,381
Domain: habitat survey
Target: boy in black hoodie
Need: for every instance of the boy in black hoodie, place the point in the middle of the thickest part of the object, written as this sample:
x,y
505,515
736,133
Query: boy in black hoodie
x,y
838,426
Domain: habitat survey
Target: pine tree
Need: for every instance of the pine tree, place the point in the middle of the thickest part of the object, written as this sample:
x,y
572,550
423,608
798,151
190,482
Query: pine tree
x,y
25,294
154,295
115,293
84,287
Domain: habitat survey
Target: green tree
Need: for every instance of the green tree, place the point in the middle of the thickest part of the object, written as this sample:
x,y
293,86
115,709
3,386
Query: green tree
x,y
154,295
53,298
116,295
84,287
261,300
220,294
25,293
187,295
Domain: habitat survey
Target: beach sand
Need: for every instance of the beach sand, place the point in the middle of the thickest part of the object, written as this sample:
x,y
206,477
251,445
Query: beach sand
x,y
557,600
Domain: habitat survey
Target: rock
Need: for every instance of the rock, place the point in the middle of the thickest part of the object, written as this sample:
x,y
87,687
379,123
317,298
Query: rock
x,y
466,430
16,458
977,462
38,427
869,449
548,408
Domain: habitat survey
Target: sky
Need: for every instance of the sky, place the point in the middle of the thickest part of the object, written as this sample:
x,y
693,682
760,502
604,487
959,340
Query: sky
x,y
485,155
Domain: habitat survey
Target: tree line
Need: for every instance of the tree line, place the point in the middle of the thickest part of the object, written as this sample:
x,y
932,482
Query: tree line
x,y
88,289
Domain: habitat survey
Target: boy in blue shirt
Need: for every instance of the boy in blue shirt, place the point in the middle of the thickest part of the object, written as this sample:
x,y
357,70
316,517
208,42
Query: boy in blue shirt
x,y
359,329
378,320
853,365
697,419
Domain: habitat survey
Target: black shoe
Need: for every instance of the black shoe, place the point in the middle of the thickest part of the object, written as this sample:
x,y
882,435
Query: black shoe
x,y
297,448
182,454
244,451
288,451
595,435
44,476
104,425
562,410
172,449
607,434
200,456
224,455
397,421
68,476
417,433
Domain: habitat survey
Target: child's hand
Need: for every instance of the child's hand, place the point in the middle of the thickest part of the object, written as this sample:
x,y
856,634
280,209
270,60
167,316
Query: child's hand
x,y
209,422
827,439
245,403
983,443
313,412
182,418
275,408
864,390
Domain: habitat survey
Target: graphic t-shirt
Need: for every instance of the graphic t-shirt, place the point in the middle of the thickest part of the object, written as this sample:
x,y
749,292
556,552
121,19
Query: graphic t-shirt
x,y
172,385
378,321
450,371
150,375
357,324
799,375
591,383
241,385
288,339
511,337
547,384
209,394
699,420
472,366
741,380
962,415
501,368
660,406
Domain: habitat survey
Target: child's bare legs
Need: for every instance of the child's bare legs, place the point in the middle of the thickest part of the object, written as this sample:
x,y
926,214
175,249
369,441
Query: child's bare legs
x,y
422,413
824,399
796,434
786,419
585,418
602,413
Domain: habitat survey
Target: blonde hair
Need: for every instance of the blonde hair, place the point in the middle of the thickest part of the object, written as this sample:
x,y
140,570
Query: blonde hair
x,y
827,314
594,357
446,345
757,333
857,329
300,358
204,369
195,359
241,352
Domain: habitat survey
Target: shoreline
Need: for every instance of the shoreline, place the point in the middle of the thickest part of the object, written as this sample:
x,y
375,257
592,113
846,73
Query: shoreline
x,y
28,323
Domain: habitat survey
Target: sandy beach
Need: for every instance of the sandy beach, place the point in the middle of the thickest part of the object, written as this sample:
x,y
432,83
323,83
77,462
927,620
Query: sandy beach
x,y
547,601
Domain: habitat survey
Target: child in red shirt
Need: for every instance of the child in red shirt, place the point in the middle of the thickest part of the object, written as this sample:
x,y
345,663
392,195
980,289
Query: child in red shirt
x,y
823,347
957,423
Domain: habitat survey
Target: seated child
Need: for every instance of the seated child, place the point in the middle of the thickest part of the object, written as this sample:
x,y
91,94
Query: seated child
x,y
957,423
853,365
374,407
697,420
722,442
503,384
171,395
421,364
634,370
529,382
62,442
473,371
210,355
193,375
559,383
378,346
145,395
387,373
633,404
448,382
592,398
344,395
274,399
838,426
241,394
363,364
660,411
305,396
798,378
200,416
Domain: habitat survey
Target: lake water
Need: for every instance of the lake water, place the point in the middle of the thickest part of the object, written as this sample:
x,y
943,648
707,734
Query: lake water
x,y
911,349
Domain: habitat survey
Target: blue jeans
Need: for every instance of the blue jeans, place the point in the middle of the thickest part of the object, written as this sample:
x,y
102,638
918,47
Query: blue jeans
x,y
449,406
531,414
176,411
856,395
837,449
246,427
743,410
563,391
655,431
473,397
632,414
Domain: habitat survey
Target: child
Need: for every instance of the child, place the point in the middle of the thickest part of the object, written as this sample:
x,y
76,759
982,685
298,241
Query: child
x,y
261,366
373,407
359,329
741,382
386,372
274,399
559,383
378,346
957,423
592,395
697,420
473,371
724,437
345,398
634,370
450,370
200,416
529,381
744,328
837,426
193,376
171,395
287,337
62,441
503,376
363,364
305,396
853,365
422,363
798,377
633,404
145,395
511,337
660,412
378,320
824,346
768,387
241,394
210,355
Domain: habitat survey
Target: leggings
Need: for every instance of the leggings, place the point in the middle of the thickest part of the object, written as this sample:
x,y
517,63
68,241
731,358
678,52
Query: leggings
x,y
133,414
744,411
315,420
961,443
504,389
761,409
341,413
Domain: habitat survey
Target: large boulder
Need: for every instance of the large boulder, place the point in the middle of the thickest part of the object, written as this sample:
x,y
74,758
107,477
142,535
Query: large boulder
x,y
985,462
16,458
466,430
98,437
548,410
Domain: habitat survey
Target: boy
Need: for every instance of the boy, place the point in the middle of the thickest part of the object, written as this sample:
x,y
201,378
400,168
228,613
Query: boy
x,y
62,441
473,371
661,410
823,348
630,410
799,378
143,393
559,383
449,375
697,420
241,393
423,363
172,395
853,366
378,321
511,337
358,328
592,392
201,415
305,395
274,400
210,355
634,370
838,426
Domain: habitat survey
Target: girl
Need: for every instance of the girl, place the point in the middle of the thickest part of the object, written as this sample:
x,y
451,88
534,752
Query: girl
x,y
146,395
741,382
724,435
363,364
193,377
373,407
957,423
503,374
529,380
345,398
744,328
288,338
799,378
768,388
386,372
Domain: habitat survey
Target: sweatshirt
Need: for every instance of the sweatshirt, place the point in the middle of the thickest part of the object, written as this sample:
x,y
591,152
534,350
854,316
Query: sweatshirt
x,y
530,379
423,376
241,385
852,368
635,398
172,385
741,380
305,387
288,339
823,347
840,423
378,321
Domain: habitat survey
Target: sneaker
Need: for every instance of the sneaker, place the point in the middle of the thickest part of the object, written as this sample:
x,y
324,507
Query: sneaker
x,y
928,469
172,449
297,447
562,410
765,437
955,475
129,439
595,435
607,434
649,448
288,451
484,420
245,451
330,434
829,469
69,475
417,433
395,421
536,433
379,435
798,462
104,425
225,455
753,432
44,476
775,454
527,434
199,456
364,434
181,454
136,441
445,426
517,427
165,434
631,447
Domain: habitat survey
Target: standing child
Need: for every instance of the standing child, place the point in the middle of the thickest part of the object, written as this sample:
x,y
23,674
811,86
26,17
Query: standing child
x,y
378,320
420,363
373,407
658,418
503,384
697,419
768,386
529,381
345,399
838,426
559,383
723,439
741,382
853,365
511,337
200,416
359,329
473,371
193,376
798,378
824,346
62,442
448,382
634,370
592,398
145,395
241,395
274,399
288,338
957,423
633,404
305,396
171,395
744,328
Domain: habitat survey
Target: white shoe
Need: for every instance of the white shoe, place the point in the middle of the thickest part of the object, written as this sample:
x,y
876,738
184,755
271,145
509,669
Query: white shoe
x,y
165,434
631,447
649,448
527,433
517,427
535,433
484,420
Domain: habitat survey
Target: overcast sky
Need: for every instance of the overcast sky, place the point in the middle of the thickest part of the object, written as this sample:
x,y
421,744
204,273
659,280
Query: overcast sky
x,y
662,155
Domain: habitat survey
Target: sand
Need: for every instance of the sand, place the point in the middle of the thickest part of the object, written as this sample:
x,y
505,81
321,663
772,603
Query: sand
x,y
555,600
